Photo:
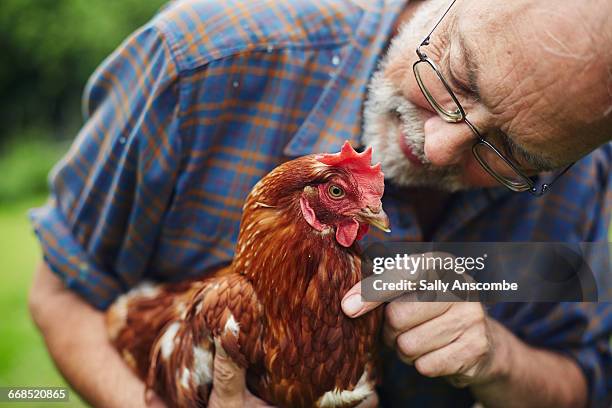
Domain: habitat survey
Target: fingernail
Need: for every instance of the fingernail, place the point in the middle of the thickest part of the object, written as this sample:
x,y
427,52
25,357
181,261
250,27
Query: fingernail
x,y
352,305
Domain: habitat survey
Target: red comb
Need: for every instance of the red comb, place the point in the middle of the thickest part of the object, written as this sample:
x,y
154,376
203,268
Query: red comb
x,y
348,157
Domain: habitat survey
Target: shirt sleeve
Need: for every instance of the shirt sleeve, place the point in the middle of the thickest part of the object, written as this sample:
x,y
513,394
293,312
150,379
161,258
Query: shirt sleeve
x,y
581,331
111,190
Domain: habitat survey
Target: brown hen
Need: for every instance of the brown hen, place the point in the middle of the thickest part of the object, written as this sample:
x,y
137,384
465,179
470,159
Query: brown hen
x,y
276,308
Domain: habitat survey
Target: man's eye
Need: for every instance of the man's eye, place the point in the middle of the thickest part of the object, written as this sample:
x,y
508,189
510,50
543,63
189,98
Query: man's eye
x,y
501,142
510,152
457,84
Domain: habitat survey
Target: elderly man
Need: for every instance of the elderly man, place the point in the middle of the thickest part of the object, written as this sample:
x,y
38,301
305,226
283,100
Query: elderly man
x,y
475,139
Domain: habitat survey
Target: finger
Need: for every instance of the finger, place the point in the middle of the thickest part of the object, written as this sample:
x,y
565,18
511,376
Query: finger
x,y
403,316
353,305
431,335
460,359
229,382
442,362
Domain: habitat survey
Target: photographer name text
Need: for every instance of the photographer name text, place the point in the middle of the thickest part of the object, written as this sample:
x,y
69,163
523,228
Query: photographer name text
x,y
439,285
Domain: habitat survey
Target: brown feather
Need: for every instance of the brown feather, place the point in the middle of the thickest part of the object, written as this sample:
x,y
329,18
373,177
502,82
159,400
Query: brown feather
x,y
275,310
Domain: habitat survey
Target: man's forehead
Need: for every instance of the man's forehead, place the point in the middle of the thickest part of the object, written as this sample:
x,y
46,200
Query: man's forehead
x,y
527,67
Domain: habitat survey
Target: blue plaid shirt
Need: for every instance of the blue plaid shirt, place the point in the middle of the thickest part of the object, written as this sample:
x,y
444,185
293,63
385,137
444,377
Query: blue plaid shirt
x,y
204,100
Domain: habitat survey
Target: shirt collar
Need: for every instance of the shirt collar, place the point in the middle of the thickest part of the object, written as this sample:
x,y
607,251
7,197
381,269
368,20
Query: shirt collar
x,y
337,115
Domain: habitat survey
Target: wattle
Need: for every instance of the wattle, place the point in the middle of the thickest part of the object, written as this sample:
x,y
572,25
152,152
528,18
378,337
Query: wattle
x,y
346,232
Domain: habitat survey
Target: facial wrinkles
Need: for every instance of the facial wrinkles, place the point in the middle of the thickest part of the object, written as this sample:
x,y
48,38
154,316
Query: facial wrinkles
x,y
463,71
389,115
582,75
516,100
520,119
488,34
532,93
512,96
526,83
537,77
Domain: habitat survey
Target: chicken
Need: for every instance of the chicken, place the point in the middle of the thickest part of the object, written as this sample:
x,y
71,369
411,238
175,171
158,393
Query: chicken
x,y
276,308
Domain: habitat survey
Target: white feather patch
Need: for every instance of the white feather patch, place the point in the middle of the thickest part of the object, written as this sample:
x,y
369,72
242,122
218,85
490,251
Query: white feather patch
x,y
120,307
167,340
232,325
118,317
145,289
181,308
336,398
203,364
185,378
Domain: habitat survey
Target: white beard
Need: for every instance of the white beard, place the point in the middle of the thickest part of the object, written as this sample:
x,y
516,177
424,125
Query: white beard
x,y
387,113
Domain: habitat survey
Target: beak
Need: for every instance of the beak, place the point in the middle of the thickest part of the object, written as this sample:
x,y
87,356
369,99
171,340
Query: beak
x,y
375,217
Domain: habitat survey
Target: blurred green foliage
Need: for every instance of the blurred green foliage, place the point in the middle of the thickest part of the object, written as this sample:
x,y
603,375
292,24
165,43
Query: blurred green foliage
x,y
25,164
49,49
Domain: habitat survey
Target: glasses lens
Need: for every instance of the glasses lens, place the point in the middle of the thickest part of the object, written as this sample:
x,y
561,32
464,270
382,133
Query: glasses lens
x,y
435,91
499,168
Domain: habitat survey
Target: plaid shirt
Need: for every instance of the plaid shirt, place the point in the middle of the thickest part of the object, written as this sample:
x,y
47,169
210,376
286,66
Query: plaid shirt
x,y
200,103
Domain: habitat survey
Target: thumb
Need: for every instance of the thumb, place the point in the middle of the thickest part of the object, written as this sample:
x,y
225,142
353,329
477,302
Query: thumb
x,y
229,382
353,305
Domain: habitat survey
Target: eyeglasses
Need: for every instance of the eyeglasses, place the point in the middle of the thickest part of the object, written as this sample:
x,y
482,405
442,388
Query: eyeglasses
x,y
443,100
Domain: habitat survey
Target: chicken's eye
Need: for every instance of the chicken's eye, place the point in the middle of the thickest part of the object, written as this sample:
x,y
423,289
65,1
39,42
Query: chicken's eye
x,y
335,191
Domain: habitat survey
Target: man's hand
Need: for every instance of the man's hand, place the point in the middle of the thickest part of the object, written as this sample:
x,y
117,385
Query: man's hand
x,y
453,340
460,342
75,335
229,384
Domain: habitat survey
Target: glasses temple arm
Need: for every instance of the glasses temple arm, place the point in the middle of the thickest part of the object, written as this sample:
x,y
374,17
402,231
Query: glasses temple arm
x,y
426,39
546,186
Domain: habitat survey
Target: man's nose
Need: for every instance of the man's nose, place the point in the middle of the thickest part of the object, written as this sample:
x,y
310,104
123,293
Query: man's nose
x,y
446,144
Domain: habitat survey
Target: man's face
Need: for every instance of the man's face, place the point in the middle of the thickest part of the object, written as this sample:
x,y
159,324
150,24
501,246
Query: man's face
x,y
534,77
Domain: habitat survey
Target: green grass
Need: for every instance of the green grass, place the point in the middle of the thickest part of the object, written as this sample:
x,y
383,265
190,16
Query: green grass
x,y
23,358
